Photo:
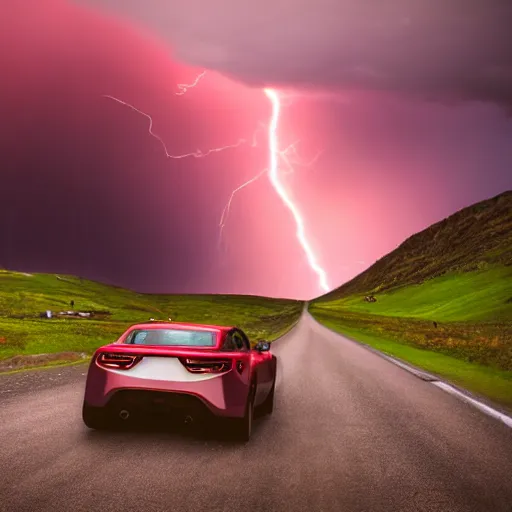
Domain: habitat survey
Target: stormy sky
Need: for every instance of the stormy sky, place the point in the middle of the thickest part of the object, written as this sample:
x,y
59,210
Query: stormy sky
x,y
408,102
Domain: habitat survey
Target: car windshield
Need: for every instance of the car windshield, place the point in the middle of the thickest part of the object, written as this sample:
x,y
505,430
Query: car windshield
x,y
171,337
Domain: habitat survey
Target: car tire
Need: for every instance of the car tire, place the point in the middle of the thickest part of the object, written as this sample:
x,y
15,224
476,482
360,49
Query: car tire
x,y
243,426
95,417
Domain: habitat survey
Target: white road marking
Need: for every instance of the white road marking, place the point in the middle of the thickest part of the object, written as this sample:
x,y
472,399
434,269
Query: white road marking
x,y
479,405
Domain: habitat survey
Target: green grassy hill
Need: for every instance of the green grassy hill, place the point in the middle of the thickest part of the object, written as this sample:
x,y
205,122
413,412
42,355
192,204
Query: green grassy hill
x,y
443,300
24,296
475,238
479,296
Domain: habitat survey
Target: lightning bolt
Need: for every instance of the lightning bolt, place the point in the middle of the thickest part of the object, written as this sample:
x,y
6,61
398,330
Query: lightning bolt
x,y
281,191
196,154
225,212
273,171
183,88
290,162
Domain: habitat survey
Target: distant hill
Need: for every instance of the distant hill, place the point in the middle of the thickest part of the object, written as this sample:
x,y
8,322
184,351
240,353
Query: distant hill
x,y
473,238
25,297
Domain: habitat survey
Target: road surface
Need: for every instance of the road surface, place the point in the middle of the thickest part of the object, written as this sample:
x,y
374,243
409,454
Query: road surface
x,y
350,432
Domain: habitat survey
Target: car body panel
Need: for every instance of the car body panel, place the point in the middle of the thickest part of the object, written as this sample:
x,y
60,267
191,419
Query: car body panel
x,y
224,394
161,369
264,364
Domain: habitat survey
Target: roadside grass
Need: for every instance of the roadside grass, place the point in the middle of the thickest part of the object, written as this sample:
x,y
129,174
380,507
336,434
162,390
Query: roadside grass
x,y
477,296
47,365
477,357
489,344
25,296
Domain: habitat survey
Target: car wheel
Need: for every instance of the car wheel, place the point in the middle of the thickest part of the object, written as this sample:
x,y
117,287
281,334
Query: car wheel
x,y
268,405
95,417
243,426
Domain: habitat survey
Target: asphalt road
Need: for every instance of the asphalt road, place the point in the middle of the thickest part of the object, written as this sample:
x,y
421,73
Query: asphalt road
x,y
350,432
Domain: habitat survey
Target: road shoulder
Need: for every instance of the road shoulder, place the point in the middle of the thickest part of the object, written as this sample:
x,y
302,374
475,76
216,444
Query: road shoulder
x,y
485,404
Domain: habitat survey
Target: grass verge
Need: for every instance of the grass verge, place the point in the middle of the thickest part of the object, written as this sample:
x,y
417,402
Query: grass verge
x,y
45,366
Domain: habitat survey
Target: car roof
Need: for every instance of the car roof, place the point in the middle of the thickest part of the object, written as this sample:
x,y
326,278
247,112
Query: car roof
x,y
158,324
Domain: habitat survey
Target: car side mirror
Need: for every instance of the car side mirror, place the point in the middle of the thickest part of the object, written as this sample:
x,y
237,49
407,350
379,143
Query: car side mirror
x,y
262,346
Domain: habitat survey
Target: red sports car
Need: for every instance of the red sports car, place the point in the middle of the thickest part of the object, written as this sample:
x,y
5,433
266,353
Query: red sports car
x,y
192,371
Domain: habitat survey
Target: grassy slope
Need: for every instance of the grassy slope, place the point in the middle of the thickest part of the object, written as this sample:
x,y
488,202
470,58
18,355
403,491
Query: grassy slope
x,y
473,238
458,273
474,296
28,295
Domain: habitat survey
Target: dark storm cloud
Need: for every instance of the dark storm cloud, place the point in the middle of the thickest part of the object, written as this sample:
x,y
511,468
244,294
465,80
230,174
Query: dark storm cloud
x,y
443,49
